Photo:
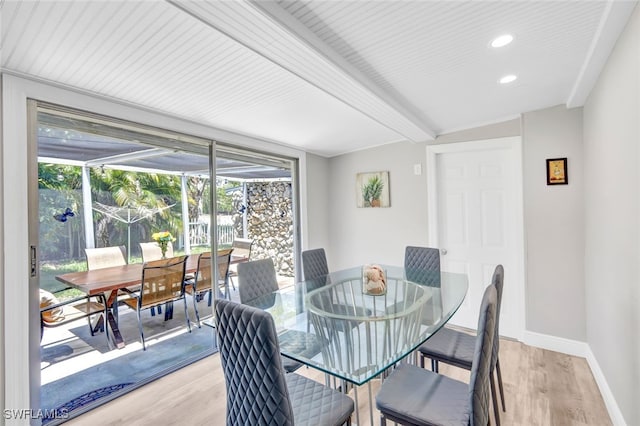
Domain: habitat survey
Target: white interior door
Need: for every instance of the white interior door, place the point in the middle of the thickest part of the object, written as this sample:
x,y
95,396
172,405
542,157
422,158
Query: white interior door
x,y
477,213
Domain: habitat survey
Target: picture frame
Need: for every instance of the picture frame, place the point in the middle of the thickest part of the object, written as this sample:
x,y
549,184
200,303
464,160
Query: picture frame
x,y
372,189
557,171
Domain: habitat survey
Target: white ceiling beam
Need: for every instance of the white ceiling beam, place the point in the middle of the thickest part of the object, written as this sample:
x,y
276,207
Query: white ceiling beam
x,y
268,30
611,25
128,157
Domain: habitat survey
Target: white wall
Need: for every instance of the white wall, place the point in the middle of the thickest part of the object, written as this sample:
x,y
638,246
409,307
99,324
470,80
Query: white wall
x,y
612,219
363,235
554,224
490,131
317,202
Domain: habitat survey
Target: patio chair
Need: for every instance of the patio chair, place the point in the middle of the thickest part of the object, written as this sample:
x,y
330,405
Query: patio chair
x,y
104,257
162,282
54,313
258,390
241,249
414,396
201,283
151,251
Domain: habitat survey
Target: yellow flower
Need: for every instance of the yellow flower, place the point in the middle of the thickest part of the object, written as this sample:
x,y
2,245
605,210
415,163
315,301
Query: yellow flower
x,y
163,236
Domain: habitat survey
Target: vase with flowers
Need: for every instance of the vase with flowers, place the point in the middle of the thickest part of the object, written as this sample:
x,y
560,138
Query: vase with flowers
x,y
163,238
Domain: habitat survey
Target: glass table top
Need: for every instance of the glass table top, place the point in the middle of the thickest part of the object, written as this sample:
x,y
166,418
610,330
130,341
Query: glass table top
x,y
329,323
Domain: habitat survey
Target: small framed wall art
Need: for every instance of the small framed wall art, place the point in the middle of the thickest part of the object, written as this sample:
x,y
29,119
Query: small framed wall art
x,y
557,171
372,189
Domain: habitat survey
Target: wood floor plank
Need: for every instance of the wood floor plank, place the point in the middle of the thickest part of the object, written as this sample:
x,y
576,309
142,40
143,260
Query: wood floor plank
x,y
541,388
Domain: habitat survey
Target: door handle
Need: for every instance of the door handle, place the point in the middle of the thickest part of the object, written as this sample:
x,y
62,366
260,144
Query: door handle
x,y
443,252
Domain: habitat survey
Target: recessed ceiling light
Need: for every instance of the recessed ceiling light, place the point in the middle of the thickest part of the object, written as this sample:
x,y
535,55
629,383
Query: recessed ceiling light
x,y
508,79
501,41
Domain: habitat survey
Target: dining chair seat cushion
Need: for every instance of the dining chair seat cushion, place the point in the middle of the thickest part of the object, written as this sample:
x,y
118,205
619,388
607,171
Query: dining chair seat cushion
x,y
450,346
315,404
413,395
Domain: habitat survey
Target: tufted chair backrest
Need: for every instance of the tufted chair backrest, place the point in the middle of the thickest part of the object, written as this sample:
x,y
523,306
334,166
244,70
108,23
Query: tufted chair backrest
x,y
256,279
422,265
479,389
257,392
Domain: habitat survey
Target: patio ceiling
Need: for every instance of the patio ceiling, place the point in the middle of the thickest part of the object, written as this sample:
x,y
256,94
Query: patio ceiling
x,y
65,140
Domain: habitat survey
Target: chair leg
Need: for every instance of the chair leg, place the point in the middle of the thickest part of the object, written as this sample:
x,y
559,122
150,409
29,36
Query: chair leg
x,y
383,421
504,408
227,291
434,366
186,313
195,308
144,347
422,361
168,310
90,326
494,398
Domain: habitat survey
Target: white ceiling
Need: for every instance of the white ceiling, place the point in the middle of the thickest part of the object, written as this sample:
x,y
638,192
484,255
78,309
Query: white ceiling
x,y
327,77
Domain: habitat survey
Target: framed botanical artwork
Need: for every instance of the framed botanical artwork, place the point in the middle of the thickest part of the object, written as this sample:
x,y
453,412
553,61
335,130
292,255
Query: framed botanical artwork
x,y
557,171
372,189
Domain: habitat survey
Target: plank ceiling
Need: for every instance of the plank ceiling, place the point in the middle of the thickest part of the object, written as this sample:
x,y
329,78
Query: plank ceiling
x,y
327,77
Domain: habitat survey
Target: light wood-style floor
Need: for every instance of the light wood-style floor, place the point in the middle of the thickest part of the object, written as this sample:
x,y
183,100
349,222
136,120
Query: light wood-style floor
x,y
541,388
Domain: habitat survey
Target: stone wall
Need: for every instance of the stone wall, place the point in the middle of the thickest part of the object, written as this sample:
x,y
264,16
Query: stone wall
x,y
269,222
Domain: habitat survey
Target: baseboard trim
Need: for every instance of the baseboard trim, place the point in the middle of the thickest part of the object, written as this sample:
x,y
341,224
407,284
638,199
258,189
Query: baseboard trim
x,y
609,401
583,350
557,344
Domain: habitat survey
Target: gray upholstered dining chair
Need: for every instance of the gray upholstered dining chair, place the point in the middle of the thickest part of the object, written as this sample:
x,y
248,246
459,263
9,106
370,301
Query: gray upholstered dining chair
x,y
415,396
256,279
456,347
258,390
314,264
257,282
422,265
315,267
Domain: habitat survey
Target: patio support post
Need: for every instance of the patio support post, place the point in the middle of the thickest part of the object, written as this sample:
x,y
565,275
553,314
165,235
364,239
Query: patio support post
x,y
87,208
185,215
245,232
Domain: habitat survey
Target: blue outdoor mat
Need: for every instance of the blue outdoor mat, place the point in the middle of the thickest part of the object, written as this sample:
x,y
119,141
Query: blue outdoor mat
x,y
122,374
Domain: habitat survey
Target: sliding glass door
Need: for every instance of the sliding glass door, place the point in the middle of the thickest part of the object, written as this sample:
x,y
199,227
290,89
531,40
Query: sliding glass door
x,y
105,184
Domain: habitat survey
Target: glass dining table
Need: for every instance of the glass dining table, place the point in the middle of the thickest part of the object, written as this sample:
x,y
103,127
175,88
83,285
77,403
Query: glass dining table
x,y
331,324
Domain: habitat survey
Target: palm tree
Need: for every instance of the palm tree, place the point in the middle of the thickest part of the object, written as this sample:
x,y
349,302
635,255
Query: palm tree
x,y
140,192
